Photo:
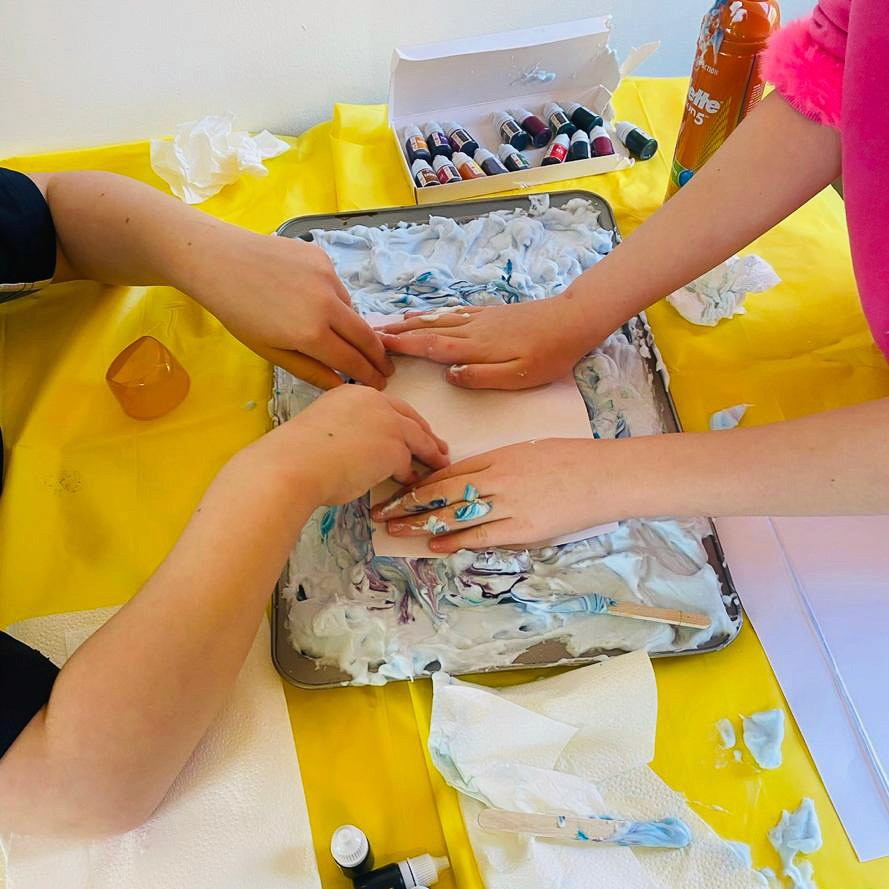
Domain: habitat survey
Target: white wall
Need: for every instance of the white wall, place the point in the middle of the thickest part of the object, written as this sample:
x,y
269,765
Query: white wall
x,y
83,72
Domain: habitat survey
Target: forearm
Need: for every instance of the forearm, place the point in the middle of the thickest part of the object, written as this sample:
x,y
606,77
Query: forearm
x,y
835,463
119,231
131,704
772,164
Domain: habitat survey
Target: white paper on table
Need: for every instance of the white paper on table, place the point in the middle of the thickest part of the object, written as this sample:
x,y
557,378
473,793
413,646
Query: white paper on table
x,y
817,593
473,421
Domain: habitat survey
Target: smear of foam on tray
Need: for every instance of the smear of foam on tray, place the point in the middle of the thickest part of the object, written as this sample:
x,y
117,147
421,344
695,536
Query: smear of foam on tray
x,y
379,618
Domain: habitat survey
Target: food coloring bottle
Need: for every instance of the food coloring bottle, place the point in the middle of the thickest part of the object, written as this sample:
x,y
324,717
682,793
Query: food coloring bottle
x,y
423,870
437,139
512,158
559,122
490,164
351,851
466,166
726,80
539,132
423,174
557,152
510,131
635,140
580,147
601,142
415,145
459,138
582,116
445,170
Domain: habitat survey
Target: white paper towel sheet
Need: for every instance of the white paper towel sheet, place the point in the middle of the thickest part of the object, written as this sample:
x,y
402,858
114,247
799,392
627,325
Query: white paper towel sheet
x,y
576,743
235,817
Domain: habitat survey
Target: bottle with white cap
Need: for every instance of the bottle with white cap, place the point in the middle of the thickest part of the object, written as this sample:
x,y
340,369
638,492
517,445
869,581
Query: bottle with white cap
x,y
351,850
412,873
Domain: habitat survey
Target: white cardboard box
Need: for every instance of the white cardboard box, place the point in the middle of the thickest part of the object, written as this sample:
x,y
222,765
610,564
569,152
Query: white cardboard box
x,y
467,80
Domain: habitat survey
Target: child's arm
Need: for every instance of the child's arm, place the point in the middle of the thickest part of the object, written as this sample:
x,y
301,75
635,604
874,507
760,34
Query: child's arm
x,y
279,296
774,162
129,707
831,463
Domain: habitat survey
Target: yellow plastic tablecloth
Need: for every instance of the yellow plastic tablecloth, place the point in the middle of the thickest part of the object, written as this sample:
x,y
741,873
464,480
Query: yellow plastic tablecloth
x,y
94,500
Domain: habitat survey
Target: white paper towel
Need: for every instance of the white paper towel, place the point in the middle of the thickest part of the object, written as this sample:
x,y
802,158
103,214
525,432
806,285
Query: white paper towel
x,y
235,817
720,293
207,154
580,743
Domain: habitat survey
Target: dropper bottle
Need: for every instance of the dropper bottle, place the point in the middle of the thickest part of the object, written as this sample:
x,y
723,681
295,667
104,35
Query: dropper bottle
x,y
421,871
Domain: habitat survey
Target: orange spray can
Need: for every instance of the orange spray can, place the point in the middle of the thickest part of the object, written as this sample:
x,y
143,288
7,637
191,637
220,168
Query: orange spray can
x,y
726,80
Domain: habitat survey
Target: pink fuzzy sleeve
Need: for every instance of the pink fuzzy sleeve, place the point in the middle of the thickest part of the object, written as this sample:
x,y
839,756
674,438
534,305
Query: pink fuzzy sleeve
x,y
804,60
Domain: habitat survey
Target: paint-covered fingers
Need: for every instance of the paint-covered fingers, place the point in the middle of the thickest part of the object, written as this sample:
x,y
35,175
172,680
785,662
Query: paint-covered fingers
x,y
428,495
505,375
495,532
465,514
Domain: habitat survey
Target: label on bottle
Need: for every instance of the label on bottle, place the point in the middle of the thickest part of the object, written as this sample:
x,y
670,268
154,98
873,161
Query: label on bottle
x,y
448,173
557,151
460,138
425,176
508,129
417,145
557,120
471,170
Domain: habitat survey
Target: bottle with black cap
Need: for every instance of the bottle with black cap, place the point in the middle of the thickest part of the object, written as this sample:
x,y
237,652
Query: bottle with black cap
x,y
351,850
412,873
636,140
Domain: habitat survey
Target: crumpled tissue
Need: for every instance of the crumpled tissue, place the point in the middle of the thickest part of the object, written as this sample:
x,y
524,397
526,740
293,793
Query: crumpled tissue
x,y
720,292
236,815
575,743
207,154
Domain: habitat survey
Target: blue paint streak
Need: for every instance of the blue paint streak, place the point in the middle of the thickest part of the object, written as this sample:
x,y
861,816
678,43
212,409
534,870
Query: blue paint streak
x,y
581,835
668,833
470,493
328,520
560,820
591,604
475,510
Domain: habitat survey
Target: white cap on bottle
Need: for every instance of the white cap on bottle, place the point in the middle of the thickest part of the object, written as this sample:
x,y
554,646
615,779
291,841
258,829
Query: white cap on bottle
x,y
552,107
349,845
505,150
440,161
580,136
423,870
431,126
482,154
562,139
598,132
450,126
419,164
411,130
460,157
520,114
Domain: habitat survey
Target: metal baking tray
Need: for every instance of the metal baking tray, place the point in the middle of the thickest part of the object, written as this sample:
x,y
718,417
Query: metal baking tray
x,y
307,672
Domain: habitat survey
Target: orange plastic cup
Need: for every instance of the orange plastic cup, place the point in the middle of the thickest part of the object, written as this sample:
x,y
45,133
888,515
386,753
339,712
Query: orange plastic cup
x,y
147,379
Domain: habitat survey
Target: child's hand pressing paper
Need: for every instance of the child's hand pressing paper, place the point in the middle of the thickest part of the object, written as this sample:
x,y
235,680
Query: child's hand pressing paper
x,y
354,438
515,495
499,347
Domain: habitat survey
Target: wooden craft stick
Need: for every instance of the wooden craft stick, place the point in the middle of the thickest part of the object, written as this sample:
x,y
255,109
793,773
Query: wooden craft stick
x,y
668,833
559,827
660,615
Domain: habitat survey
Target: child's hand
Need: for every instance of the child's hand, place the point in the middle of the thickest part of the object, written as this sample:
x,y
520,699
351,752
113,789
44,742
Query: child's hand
x,y
353,438
515,495
282,298
499,347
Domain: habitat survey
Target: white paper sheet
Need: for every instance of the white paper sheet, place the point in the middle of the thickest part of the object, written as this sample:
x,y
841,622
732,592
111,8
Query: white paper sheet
x,y
473,421
817,592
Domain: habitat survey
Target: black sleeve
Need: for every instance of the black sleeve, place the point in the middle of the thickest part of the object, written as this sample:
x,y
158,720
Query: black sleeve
x,y
26,679
27,235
